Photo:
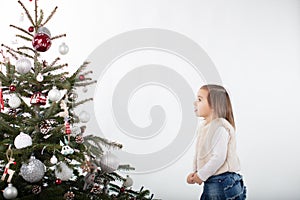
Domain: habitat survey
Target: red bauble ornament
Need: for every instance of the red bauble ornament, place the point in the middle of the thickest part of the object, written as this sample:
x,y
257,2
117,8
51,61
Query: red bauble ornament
x,y
122,189
31,29
58,181
12,88
41,42
81,77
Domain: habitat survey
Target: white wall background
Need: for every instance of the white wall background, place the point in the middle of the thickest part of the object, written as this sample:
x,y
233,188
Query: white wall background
x,y
255,46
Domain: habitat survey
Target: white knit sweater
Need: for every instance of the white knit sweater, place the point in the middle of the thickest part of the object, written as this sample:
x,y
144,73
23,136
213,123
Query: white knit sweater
x,y
208,141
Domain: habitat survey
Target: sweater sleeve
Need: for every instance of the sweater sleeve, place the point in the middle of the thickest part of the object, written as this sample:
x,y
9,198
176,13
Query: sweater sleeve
x,y
218,158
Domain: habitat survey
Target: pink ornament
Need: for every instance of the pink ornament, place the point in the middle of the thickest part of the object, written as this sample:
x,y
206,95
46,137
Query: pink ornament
x,y
81,77
41,42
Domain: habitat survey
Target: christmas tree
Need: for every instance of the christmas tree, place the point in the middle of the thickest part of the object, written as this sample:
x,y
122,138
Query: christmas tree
x,y
44,151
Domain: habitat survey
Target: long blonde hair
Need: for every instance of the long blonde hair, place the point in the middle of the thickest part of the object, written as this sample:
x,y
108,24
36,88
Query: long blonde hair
x,y
219,101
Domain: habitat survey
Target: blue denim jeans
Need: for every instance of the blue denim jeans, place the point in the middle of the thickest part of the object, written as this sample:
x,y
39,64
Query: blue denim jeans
x,y
226,186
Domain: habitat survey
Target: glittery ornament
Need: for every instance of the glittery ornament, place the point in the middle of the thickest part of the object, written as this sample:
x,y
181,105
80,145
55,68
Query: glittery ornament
x,y
58,181
84,116
63,172
46,126
39,77
31,29
10,192
41,42
54,94
23,65
96,189
33,171
22,140
63,49
36,189
14,101
109,162
69,195
79,139
12,88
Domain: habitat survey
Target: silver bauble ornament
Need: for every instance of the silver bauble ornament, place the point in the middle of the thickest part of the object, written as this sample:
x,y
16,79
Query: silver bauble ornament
x,y
84,89
23,65
128,182
22,140
63,49
44,30
54,94
33,171
109,162
14,101
10,192
63,172
84,116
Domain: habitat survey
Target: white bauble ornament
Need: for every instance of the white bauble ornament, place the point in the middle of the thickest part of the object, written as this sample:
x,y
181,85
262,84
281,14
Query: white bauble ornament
x,y
109,162
22,140
54,94
53,160
128,182
84,116
63,49
14,101
63,172
39,77
10,192
23,65
33,171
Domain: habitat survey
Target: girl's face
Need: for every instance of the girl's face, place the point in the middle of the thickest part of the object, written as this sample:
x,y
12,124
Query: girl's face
x,y
202,108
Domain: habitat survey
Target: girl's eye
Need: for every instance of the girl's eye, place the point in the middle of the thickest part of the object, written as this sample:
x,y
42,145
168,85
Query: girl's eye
x,y
199,99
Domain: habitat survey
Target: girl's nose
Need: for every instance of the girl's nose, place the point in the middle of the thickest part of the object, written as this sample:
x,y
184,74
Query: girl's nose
x,y
195,103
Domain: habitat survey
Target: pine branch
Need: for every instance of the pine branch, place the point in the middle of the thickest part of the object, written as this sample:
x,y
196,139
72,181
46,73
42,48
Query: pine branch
x,y
58,36
27,13
10,50
35,12
24,38
51,110
81,102
55,61
21,29
50,69
126,167
84,84
80,69
50,16
41,18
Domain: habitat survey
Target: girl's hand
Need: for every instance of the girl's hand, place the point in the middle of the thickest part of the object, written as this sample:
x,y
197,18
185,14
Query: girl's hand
x,y
190,179
196,179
